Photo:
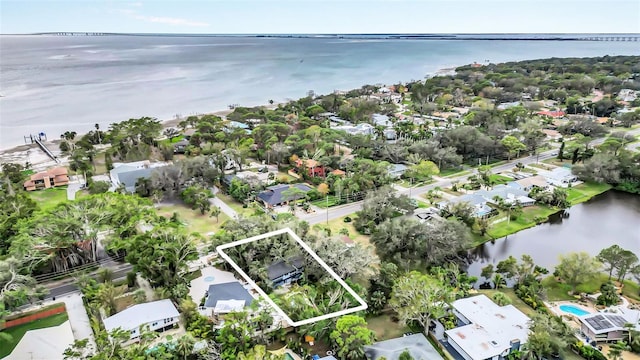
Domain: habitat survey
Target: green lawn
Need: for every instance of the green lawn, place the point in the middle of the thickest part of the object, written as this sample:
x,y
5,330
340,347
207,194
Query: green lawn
x,y
385,328
232,203
524,221
499,179
331,200
17,332
515,301
49,198
336,225
557,291
583,192
194,221
453,172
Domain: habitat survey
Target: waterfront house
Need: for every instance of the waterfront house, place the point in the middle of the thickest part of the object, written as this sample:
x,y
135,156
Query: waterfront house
x,y
417,345
482,210
47,179
273,195
489,331
285,272
157,316
127,174
181,146
227,297
508,194
560,176
313,167
607,327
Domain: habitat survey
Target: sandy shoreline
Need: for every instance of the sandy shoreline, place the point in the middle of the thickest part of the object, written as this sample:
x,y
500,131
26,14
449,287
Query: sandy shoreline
x,y
32,154
37,158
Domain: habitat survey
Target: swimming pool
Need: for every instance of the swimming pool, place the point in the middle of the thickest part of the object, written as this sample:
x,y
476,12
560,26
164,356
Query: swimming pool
x,y
571,309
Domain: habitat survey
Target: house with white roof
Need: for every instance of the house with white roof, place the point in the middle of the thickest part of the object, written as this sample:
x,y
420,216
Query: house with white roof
x,y
127,174
360,129
479,203
490,331
508,194
157,316
560,176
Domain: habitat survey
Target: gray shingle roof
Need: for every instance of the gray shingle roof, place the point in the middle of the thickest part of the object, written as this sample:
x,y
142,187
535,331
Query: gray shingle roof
x,y
280,268
273,194
227,291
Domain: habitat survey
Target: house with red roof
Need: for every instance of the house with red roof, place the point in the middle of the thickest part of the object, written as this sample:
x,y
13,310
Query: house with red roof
x,y
552,113
314,168
47,179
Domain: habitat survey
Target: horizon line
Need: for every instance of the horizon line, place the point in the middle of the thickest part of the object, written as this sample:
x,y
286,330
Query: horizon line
x,y
326,34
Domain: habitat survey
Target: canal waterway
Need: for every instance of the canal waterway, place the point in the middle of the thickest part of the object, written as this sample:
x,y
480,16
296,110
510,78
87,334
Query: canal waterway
x,y
607,219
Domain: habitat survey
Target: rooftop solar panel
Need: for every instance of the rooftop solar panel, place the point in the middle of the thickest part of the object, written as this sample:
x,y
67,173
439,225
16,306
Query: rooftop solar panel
x,y
617,320
599,322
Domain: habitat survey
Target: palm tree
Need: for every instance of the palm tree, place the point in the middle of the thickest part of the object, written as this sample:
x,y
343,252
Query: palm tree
x,y
97,126
184,346
107,297
499,281
215,212
483,225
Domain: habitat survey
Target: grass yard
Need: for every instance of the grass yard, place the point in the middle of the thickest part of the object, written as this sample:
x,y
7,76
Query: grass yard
x,y
193,220
557,291
541,166
528,219
336,225
583,192
236,206
124,302
331,200
515,301
499,179
17,332
49,198
385,328
453,172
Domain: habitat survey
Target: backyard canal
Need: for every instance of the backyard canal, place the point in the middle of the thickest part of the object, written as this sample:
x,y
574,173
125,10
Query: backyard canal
x,y
607,219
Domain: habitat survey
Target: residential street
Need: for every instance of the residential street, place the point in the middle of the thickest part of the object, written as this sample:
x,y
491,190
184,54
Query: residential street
x,y
344,210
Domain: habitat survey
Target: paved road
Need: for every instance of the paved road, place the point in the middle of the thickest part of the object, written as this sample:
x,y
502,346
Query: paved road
x,y
68,286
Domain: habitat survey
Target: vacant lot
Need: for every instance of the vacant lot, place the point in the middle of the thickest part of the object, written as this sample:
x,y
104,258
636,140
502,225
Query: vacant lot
x,y
192,219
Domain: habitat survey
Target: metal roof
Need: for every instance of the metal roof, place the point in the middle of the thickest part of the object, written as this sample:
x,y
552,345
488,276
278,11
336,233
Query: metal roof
x,y
138,315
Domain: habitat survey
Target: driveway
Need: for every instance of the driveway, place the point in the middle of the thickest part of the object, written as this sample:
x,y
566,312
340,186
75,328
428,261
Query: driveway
x,y
210,276
72,189
78,317
226,209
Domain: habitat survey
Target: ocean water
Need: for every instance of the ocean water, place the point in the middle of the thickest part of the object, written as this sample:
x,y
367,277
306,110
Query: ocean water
x,y
52,84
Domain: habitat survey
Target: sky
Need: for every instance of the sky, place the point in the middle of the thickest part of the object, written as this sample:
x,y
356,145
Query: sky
x,y
320,16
